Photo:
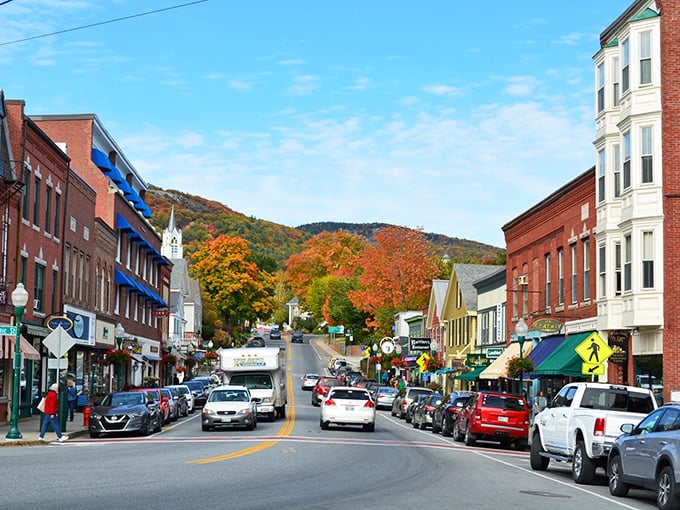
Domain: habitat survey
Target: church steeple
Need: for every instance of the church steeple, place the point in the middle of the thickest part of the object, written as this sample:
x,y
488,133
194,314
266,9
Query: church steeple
x,y
172,239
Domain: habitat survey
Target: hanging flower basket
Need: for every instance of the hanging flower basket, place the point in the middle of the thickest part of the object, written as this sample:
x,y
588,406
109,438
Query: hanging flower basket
x,y
517,365
399,363
375,359
433,364
180,369
211,355
190,362
169,359
116,357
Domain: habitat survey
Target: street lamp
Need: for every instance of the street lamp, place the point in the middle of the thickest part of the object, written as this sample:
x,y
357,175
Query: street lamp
x,y
19,300
521,330
119,331
210,346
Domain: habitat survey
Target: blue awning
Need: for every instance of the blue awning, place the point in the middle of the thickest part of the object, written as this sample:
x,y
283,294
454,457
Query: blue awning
x,y
120,278
152,357
124,280
102,161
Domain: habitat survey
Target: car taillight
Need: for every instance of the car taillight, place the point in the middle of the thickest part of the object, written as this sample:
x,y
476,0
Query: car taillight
x,y
329,402
429,409
369,403
598,429
379,395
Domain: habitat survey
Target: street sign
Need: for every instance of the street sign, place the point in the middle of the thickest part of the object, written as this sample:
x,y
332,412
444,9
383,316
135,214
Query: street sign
x,y
57,364
387,345
592,368
335,329
594,350
421,361
494,352
58,342
8,330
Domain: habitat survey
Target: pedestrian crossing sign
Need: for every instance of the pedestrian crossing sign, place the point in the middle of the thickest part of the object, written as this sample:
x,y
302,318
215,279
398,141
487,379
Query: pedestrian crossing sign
x,y
592,368
594,351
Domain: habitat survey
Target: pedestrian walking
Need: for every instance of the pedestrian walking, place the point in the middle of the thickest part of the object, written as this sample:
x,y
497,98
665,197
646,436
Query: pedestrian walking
x,y
52,414
71,397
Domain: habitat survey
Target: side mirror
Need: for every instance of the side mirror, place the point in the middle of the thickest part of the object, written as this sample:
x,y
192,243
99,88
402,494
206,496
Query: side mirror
x,y
627,428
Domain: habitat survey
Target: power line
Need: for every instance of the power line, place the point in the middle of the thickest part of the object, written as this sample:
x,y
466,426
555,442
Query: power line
x,y
100,23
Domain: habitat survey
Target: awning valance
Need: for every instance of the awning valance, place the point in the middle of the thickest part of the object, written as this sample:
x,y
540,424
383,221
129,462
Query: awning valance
x,y
498,367
545,348
472,375
564,360
7,348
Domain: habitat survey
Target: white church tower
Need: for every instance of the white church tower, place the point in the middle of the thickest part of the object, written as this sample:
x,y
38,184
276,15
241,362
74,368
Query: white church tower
x,y
172,240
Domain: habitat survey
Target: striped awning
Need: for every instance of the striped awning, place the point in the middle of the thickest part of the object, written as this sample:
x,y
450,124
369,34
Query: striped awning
x,y
7,349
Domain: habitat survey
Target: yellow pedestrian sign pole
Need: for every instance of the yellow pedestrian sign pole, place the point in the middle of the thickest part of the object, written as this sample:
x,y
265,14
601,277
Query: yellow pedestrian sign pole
x,y
594,351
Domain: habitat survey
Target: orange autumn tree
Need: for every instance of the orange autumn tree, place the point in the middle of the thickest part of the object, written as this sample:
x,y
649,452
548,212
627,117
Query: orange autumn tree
x,y
397,273
325,254
238,289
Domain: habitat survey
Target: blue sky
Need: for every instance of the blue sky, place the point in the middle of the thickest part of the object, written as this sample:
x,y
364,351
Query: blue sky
x,y
449,116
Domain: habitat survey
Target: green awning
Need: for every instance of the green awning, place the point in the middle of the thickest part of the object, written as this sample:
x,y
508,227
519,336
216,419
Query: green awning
x,y
564,360
472,375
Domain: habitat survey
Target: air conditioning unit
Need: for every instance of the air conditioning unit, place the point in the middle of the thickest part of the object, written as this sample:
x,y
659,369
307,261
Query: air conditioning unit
x,y
523,279
36,304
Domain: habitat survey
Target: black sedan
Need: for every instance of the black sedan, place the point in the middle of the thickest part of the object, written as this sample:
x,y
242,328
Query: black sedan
x,y
445,415
125,412
297,337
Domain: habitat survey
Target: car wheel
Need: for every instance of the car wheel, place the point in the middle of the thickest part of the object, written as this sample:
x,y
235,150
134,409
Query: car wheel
x,y
434,428
393,412
271,416
614,473
505,443
282,412
323,425
665,490
94,435
414,424
423,425
251,426
369,427
470,439
159,424
582,467
537,461
457,434
205,428
146,428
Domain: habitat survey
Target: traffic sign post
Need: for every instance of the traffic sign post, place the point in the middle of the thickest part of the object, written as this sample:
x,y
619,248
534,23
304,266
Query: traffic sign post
x,y
594,352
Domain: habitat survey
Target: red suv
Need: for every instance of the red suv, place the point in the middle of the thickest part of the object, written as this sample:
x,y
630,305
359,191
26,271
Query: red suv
x,y
164,402
321,389
494,417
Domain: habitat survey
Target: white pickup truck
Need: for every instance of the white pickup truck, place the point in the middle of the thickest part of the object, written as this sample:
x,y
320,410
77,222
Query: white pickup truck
x,y
581,424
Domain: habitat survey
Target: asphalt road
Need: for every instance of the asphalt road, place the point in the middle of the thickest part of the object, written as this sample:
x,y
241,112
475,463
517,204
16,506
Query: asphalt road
x,y
291,464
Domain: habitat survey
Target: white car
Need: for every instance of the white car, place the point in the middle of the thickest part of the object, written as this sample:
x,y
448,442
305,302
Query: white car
x,y
191,403
229,406
309,381
347,405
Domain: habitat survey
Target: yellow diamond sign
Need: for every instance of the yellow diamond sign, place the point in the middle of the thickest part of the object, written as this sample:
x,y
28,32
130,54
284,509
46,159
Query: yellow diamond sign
x,y
593,350
592,368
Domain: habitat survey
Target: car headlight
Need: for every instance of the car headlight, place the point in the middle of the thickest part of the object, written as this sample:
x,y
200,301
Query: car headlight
x,y
267,400
95,416
247,410
208,411
136,415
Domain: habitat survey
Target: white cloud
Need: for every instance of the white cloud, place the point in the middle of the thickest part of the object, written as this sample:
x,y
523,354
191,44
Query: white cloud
x,y
443,90
304,85
521,85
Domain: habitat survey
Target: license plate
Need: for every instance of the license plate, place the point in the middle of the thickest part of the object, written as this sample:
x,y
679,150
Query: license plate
x,y
349,408
226,420
504,419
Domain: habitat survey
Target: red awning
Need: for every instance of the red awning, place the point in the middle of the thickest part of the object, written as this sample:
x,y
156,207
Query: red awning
x,y
7,349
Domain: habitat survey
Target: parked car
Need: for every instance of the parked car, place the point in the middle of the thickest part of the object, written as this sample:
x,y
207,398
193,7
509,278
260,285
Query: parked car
x,y
411,408
199,391
491,416
174,405
309,381
345,405
275,334
321,389
188,395
229,406
129,411
647,456
162,401
371,386
422,414
181,405
404,397
256,341
385,396
336,364
297,337
445,414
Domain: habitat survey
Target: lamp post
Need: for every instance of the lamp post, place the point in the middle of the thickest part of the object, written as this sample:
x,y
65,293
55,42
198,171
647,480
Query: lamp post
x,y
210,346
19,300
119,331
521,330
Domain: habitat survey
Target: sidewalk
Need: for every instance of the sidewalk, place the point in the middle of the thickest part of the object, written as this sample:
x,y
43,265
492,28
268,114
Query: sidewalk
x,y
30,430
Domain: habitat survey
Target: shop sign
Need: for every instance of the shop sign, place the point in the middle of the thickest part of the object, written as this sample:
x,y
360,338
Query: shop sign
x,y
547,325
476,360
494,352
618,342
419,344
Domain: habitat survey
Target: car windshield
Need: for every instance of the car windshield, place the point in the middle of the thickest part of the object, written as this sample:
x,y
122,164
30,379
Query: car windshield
x,y
228,396
252,381
350,395
387,390
508,403
195,385
123,399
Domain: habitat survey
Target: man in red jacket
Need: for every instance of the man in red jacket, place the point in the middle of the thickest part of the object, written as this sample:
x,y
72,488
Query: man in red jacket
x,y
51,414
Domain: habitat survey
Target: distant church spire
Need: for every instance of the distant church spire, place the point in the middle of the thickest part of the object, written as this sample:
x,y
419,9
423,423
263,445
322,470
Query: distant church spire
x,y
172,239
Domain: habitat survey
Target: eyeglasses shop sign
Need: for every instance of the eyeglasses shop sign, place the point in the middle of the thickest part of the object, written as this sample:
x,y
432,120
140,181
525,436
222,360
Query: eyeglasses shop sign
x,y
419,344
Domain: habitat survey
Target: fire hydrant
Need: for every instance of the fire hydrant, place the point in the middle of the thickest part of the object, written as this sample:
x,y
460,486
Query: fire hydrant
x,y
86,416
